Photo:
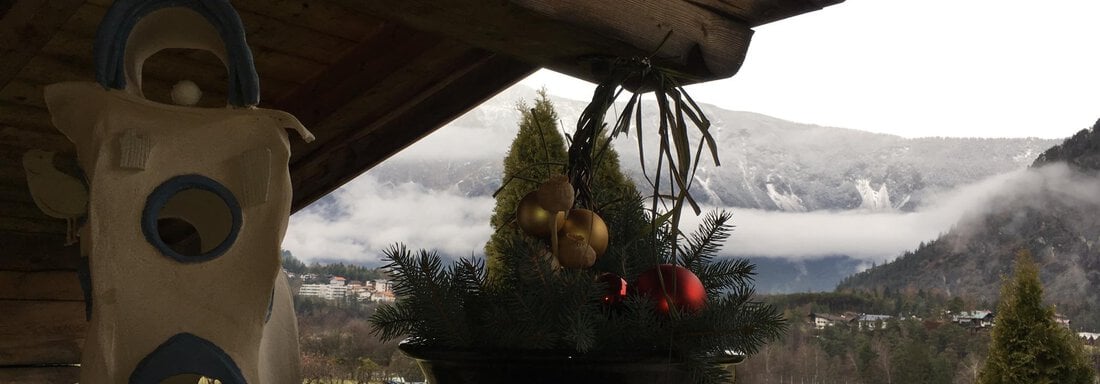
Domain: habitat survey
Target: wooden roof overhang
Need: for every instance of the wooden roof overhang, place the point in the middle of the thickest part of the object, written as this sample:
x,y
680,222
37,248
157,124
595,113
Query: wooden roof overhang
x,y
367,77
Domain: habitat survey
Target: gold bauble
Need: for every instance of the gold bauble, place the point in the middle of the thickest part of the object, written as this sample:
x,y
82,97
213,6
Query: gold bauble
x,y
556,194
574,252
534,220
589,225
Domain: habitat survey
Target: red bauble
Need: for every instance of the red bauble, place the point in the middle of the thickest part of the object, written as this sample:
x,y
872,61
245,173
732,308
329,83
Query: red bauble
x,y
615,288
680,285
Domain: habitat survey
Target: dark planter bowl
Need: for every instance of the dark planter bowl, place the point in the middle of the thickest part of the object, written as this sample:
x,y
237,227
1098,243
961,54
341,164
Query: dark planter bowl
x,y
442,366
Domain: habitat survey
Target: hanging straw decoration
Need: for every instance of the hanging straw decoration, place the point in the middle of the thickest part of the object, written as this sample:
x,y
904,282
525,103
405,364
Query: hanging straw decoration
x,y
677,158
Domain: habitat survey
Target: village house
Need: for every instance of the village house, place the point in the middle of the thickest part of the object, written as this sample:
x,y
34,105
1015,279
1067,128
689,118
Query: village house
x,y
1089,338
974,319
383,297
871,322
1062,320
822,320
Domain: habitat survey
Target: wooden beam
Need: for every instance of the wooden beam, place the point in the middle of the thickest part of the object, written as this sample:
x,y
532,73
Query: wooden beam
x,y
27,26
477,77
758,12
39,375
700,39
41,332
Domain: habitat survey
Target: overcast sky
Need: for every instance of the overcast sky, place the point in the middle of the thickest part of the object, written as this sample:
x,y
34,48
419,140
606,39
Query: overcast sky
x,y
964,68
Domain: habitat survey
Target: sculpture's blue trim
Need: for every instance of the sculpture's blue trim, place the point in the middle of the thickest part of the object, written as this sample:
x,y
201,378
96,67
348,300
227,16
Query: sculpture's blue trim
x,y
185,353
157,200
114,32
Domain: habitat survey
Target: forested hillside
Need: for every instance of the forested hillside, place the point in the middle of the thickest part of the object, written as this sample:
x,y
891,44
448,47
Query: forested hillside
x,y
1053,210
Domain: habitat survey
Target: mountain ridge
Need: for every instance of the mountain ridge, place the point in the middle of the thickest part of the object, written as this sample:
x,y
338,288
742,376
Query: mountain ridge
x,y
767,163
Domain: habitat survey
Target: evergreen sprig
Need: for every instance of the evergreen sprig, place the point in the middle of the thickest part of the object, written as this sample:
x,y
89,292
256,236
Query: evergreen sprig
x,y
531,306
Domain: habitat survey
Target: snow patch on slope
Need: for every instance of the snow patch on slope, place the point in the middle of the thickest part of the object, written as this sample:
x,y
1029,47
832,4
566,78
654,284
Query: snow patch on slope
x,y
786,201
873,200
703,182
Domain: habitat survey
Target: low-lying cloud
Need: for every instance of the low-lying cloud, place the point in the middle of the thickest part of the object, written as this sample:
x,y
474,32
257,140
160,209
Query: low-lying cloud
x,y
359,220
867,235
365,216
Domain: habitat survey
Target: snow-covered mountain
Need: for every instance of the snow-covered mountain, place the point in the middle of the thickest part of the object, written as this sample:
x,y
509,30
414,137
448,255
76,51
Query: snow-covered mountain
x,y
767,163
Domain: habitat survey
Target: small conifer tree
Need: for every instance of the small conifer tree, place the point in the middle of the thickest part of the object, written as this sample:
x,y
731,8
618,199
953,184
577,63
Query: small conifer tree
x,y
1028,346
537,152
530,160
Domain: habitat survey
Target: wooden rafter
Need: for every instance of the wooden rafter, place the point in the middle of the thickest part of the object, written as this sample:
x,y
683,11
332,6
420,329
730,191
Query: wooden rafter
x,y
700,39
474,76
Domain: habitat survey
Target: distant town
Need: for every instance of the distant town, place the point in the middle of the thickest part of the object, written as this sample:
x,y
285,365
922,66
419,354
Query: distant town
x,y
974,320
339,288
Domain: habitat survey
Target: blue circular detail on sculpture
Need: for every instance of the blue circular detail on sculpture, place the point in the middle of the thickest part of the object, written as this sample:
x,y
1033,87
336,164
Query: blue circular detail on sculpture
x,y
159,198
114,32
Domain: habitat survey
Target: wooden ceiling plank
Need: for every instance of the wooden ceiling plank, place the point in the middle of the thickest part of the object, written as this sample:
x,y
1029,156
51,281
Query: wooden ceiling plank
x,y
40,285
433,108
362,67
48,69
37,252
195,65
14,189
270,33
21,137
25,28
25,225
20,91
37,375
41,332
76,38
23,210
375,102
263,33
318,15
25,117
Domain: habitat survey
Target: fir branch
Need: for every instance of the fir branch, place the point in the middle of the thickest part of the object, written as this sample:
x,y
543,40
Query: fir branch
x,y
725,274
703,245
393,321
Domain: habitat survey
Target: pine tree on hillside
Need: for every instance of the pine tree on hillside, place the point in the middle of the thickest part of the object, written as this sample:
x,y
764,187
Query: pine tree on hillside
x,y
537,152
1027,345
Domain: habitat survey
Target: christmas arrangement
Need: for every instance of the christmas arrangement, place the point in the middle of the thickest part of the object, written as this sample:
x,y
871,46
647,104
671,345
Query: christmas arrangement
x,y
588,276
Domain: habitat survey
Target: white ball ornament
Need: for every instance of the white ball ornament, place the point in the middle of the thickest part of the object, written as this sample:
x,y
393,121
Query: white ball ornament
x,y
186,93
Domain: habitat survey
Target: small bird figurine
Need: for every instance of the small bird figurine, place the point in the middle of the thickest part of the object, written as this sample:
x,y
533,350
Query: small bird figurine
x,y
56,193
